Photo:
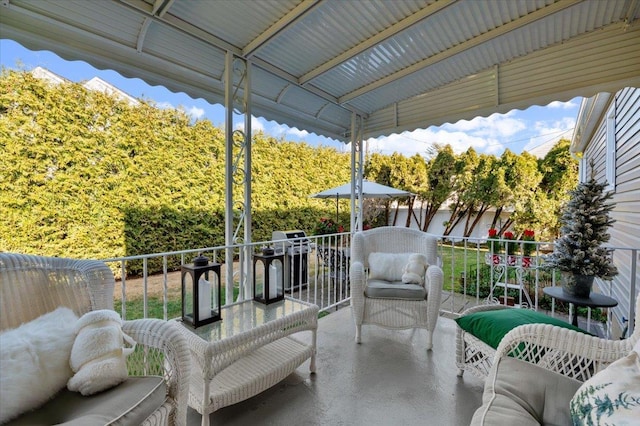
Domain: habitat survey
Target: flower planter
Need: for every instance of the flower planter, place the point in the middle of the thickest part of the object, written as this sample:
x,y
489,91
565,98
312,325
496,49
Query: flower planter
x,y
501,259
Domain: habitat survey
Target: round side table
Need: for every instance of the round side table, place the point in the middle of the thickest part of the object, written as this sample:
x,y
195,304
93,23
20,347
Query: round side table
x,y
595,300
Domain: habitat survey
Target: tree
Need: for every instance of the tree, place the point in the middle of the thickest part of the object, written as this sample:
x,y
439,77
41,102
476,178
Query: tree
x,y
440,178
521,181
466,165
483,192
559,175
585,222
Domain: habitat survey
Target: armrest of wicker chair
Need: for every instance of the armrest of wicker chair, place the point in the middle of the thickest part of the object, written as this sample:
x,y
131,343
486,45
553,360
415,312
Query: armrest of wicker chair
x,y
358,280
162,350
568,352
434,281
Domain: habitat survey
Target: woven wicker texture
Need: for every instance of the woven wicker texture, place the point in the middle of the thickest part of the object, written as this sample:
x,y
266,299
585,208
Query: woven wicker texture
x,y
31,286
472,354
395,313
232,369
570,353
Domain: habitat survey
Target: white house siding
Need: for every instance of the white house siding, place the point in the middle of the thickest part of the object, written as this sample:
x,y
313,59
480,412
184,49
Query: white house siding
x,y
626,230
437,226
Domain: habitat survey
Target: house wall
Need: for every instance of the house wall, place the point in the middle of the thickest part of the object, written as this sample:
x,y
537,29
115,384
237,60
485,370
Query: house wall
x,y
625,106
437,227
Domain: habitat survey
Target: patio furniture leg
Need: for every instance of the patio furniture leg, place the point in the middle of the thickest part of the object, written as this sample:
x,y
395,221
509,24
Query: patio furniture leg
x,y
429,340
358,333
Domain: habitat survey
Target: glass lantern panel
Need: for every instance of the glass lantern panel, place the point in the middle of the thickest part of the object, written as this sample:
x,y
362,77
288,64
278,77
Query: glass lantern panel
x,y
259,279
188,295
275,279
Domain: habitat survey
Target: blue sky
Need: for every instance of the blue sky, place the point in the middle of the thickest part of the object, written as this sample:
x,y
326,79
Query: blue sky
x,y
516,130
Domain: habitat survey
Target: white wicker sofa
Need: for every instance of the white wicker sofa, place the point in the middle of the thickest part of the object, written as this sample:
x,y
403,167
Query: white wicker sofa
x,y
383,305
540,371
32,286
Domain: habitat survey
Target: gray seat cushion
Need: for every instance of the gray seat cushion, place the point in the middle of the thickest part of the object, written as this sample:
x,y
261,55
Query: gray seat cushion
x,y
520,393
380,289
129,403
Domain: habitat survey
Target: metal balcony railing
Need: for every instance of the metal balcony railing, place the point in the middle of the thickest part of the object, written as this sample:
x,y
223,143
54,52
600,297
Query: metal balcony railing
x,y
149,285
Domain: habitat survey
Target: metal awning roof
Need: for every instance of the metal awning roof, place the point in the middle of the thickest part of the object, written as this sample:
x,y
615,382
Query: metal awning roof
x,y
400,64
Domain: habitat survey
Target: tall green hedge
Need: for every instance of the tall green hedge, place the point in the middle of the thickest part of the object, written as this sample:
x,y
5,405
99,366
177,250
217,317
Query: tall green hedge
x,y
85,175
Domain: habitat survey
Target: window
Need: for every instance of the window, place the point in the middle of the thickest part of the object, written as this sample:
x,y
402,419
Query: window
x,y
611,149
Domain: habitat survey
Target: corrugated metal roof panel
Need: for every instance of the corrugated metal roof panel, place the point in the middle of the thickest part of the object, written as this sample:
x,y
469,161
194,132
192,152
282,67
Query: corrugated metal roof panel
x,y
236,22
359,56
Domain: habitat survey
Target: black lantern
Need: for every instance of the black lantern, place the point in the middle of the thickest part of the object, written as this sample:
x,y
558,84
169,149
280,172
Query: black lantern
x,y
200,292
270,288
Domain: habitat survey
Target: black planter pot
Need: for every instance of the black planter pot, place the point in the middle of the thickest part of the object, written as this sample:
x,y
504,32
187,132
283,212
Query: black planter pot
x,y
577,285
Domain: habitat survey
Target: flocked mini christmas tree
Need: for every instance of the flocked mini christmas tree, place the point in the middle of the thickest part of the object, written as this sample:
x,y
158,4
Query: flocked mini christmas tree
x,y
585,222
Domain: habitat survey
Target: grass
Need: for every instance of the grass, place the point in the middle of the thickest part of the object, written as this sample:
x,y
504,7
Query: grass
x,y
155,308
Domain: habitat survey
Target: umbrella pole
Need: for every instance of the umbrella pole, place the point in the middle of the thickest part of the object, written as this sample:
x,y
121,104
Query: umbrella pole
x,y
336,209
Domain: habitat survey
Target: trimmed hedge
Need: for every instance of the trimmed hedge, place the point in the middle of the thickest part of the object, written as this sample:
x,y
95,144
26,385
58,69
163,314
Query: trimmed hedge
x,y
85,175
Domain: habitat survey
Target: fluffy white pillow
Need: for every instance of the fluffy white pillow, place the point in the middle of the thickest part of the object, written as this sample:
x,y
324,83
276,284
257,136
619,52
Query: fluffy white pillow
x,y
387,266
35,361
99,353
415,269
611,396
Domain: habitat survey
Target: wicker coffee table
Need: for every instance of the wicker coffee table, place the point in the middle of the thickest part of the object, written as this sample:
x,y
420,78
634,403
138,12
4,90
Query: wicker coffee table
x,y
248,351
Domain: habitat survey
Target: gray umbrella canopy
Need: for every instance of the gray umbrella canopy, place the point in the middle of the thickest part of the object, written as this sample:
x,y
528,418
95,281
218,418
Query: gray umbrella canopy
x,y
369,190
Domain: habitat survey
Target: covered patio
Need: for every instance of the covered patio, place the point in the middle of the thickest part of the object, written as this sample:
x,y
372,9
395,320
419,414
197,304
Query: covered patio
x,y
388,379
345,70
349,71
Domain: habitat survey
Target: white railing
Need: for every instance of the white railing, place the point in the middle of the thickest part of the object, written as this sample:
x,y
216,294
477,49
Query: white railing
x,y
472,276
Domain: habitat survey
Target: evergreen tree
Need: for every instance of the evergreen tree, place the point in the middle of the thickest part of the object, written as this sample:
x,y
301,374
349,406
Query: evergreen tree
x,y
585,221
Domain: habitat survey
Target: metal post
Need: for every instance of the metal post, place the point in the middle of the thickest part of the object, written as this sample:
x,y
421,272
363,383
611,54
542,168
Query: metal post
x,y
248,276
228,175
357,167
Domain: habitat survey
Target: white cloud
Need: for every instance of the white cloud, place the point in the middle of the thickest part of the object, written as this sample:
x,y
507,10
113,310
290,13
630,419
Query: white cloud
x,y
494,126
551,131
563,105
256,124
419,141
195,112
297,133
164,105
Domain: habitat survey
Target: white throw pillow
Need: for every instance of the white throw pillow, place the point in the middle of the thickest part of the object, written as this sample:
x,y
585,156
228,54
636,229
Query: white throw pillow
x,y
387,266
34,361
415,269
611,396
99,353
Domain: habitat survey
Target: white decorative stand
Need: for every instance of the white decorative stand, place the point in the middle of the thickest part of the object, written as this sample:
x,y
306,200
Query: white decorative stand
x,y
500,264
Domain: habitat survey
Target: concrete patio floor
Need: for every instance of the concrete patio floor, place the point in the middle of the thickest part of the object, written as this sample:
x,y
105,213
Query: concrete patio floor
x,y
389,379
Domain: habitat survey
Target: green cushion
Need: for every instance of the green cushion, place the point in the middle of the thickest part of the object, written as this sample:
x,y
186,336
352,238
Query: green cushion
x,y
491,326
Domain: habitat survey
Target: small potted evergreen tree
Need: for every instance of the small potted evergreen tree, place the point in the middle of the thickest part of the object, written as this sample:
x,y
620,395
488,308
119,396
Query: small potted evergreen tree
x,y
578,253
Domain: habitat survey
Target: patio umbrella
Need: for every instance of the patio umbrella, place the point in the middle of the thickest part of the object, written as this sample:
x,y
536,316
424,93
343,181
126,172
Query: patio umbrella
x,y
369,190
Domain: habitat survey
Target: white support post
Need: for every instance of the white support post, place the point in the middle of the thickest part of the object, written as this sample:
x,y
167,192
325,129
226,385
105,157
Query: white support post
x,y
238,173
357,167
248,275
228,176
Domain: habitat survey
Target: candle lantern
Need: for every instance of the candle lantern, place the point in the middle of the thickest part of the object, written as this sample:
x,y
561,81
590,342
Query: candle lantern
x,y
200,292
270,287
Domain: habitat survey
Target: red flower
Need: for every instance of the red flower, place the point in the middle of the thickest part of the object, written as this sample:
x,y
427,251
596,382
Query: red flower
x,y
493,232
508,235
340,229
529,235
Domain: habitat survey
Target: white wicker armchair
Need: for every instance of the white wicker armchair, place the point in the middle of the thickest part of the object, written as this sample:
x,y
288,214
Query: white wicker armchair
x,y
395,313
564,351
31,286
